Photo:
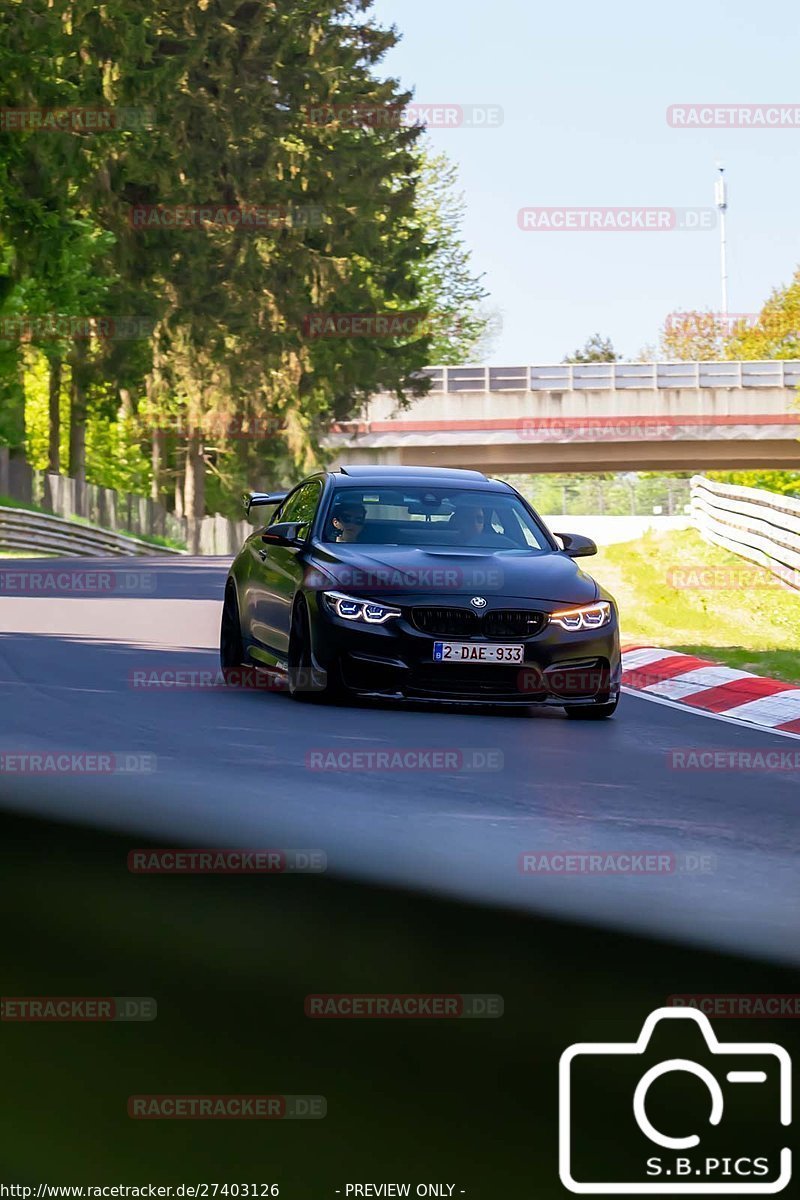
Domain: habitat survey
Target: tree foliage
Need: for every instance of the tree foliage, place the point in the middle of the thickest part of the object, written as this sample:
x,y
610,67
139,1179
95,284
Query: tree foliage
x,y
596,349
694,337
461,329
216,104
774,333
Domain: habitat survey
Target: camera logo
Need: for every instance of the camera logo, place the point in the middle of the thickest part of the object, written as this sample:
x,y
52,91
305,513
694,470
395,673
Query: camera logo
x,y
678,1095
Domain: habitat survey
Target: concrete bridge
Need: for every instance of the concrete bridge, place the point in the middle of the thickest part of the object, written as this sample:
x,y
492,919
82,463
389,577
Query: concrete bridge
x,y
588,417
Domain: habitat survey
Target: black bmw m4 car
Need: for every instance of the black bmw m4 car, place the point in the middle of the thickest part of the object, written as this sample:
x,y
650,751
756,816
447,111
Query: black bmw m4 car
x,y
419,584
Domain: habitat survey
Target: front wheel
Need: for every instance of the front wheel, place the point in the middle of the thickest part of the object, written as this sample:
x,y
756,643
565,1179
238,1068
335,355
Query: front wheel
x,y
591,712
231,646
307,682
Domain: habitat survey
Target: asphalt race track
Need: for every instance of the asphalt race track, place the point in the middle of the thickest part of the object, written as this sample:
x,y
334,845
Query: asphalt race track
x,y
230,769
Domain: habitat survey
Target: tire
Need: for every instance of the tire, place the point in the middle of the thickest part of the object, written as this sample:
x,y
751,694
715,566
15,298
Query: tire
x,y
594,712
231,646
307,683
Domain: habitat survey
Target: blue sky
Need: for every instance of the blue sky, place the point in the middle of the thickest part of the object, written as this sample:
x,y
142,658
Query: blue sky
x,y
584,89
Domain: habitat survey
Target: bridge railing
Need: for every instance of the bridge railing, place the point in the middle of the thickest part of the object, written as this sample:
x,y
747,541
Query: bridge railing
x,y
761,526
601,377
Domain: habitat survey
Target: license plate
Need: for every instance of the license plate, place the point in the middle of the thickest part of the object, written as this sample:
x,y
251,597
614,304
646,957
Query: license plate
x,y
470,652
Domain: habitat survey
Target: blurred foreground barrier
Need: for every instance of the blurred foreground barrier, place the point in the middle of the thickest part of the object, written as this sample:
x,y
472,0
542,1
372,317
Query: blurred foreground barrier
x,y
493,1113
761,526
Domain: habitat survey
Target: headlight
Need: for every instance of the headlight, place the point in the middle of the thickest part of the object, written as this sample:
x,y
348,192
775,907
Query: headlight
x,y
351,609
590,616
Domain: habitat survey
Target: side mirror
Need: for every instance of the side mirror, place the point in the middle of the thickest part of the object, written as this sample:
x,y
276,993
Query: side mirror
x,y
576,545
286,533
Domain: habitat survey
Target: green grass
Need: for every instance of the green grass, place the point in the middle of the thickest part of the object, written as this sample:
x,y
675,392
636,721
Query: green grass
x,y
155,539
749,623
9,502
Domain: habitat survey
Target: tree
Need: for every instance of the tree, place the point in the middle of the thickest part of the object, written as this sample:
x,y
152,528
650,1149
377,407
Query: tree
x,y
596,349
786,483
776,333
461,328
694,337
233,126
230,87
704,336
62,264
46,245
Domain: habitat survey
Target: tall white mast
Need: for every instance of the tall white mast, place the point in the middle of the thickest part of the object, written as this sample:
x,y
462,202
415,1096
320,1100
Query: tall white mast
x,y
721,197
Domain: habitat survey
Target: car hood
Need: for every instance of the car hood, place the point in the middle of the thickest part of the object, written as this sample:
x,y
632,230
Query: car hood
x,y
410,573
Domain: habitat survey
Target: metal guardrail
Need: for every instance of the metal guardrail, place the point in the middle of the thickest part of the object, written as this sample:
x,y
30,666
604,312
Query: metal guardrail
x,y
573,377
761,526
41,533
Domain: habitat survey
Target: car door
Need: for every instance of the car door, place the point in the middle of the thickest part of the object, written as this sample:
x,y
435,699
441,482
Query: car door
x,y
278,573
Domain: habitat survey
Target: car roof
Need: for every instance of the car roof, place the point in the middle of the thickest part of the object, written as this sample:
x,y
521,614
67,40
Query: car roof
x,y
387,475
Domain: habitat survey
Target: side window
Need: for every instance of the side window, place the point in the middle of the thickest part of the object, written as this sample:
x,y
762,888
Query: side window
x,y
302,505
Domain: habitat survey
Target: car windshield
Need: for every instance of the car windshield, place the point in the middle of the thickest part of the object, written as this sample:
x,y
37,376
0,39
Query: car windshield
x,y
424,516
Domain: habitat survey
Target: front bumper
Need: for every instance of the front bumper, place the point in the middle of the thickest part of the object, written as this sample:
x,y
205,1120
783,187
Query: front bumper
x,y
395,660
